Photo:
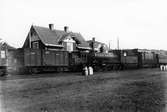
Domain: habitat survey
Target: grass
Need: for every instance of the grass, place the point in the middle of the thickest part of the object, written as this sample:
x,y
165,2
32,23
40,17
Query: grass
x,y
129,91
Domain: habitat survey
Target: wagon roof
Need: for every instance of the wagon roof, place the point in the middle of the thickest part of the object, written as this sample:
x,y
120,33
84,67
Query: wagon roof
x,y
53,37
4,44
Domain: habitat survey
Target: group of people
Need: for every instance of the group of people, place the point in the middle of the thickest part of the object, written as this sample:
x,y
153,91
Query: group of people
x,y
163,67
87,70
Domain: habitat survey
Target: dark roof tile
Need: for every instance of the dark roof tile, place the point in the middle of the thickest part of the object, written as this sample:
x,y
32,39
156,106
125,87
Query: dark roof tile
x,y
48,36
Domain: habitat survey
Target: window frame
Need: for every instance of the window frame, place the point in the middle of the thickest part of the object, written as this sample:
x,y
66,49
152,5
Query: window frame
x,y
35,45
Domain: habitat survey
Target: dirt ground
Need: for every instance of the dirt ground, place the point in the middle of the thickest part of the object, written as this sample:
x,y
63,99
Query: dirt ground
x,y
118,91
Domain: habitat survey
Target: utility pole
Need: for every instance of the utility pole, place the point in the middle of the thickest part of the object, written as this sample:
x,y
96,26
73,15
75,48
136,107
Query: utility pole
x,y
109,45
118,43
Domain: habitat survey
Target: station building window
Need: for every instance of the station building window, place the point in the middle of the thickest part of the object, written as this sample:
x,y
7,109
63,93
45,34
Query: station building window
x,y
3,55
69,46
35,45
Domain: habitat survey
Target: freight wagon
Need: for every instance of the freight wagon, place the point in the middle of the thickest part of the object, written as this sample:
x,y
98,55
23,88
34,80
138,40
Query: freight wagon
x,y
17,63
147,58
38,60
162,58
129,58
137,58
6,58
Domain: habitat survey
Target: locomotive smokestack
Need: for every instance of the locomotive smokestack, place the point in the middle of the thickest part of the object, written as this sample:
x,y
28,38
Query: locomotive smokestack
x,y
51,26
93,39
93,42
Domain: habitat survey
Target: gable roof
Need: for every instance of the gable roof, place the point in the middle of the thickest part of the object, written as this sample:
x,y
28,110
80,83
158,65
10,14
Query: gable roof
x,y
53,37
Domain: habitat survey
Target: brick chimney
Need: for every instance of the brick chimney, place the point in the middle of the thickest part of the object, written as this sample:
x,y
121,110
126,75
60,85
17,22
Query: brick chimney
x,y
51,26
66,28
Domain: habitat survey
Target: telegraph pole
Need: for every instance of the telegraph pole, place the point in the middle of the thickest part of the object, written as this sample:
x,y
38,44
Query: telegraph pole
x,y
118,43
109,45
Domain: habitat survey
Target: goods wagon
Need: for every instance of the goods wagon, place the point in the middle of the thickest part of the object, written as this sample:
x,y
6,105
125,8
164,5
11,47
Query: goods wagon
x,y
3,60
162,59
36,60
148,59
55,58
32,58
18,61
105,61
5,57
129,58
14,57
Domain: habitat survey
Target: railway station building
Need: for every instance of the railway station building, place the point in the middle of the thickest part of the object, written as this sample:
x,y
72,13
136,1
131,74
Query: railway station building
x,y
53,39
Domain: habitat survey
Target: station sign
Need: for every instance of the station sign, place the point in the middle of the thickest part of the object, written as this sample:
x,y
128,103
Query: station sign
x,y
107,55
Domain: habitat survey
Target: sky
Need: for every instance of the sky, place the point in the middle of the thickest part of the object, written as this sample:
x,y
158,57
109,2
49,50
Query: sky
x,y
137,23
